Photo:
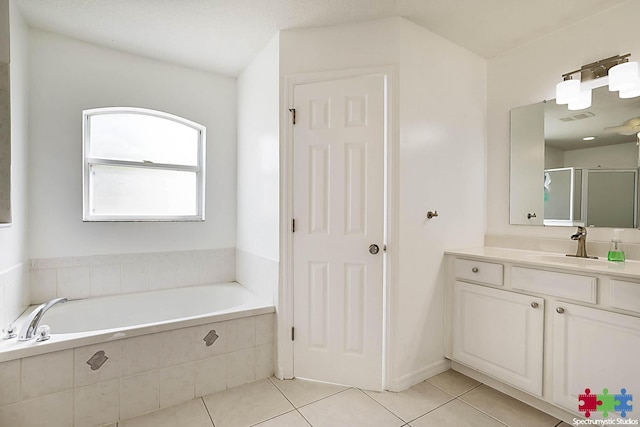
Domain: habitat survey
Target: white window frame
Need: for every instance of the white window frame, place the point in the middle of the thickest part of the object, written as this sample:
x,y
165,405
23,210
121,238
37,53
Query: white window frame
x,y
199,169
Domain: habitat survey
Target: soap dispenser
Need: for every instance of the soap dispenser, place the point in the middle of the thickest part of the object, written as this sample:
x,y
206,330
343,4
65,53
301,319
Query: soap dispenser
x,y
616,253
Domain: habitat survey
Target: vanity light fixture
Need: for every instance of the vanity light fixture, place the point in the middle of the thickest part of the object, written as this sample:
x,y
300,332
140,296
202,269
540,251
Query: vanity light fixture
x,y
616,71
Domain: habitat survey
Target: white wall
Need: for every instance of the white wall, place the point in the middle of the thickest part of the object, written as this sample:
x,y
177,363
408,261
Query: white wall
x,y
14,290
258,228
528,75
612,156
553,157
442,167
440,114
68,76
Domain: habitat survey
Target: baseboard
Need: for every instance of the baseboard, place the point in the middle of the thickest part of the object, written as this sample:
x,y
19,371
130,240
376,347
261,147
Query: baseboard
x,y
417,376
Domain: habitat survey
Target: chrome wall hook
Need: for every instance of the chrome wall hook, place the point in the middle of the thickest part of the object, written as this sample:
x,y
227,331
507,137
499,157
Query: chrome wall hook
x,y
431,214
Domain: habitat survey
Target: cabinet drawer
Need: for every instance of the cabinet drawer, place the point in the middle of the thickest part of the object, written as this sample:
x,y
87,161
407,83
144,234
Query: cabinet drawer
x,y
625,295
563,285
478,271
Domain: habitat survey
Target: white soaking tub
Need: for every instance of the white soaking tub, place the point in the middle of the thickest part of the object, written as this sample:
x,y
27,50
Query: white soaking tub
x,y
94,320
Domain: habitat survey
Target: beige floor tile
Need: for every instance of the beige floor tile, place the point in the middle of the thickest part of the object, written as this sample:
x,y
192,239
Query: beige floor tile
x,y
301,392
290,419
453,382
247,404
456,414
191,413
350,408
413,402
507,409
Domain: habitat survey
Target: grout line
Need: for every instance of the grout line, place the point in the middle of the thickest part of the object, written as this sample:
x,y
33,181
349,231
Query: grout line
x,y
437,407
482,412
387,409
326,397
464,392
470,390
271,418
207,409
304,418
281,392
310,403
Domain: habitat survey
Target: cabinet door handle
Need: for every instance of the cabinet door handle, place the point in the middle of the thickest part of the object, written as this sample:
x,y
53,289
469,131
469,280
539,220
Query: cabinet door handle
x,y
559,310
534,305
475,269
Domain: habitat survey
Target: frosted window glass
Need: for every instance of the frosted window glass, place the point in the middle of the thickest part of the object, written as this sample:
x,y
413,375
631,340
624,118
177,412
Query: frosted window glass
x,y
129,191
137,137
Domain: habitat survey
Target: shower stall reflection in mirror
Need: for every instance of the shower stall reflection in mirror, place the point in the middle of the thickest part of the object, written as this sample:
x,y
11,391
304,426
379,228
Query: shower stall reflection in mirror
x,y
591,197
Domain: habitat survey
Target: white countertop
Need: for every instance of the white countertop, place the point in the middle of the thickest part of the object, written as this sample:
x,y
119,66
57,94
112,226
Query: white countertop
x,y
628,269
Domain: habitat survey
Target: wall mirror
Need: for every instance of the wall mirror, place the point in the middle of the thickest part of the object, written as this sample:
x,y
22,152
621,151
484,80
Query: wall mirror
x,y
5,146
576,167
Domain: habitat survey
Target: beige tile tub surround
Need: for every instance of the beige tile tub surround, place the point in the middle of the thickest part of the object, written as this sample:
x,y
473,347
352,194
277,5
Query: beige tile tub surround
x,y
99,275
141,375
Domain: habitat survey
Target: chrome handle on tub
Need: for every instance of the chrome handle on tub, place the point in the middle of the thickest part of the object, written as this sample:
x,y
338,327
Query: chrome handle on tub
x,y
534,305
559,310
475,269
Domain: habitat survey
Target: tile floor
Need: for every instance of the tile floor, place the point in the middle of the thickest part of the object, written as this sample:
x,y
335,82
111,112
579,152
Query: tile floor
x,y
448,399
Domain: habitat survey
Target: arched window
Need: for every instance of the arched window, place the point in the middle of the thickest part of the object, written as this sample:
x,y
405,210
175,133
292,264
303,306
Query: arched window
x,y
142,165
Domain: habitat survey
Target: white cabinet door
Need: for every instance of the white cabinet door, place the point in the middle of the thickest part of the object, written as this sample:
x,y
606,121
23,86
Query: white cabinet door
x,y
500,334
593,349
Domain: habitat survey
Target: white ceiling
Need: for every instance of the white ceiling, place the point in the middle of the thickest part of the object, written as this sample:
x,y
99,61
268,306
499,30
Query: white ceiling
x,y
224,35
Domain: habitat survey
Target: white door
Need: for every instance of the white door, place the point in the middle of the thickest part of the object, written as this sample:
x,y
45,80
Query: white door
x,y
500,334
338,207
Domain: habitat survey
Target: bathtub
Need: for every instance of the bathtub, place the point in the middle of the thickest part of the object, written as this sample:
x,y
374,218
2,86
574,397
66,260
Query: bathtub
x,y
118,357
94,320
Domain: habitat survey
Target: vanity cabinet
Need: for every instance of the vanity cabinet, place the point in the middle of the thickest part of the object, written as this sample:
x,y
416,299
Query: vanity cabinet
x,y
547,330
500,333
595,349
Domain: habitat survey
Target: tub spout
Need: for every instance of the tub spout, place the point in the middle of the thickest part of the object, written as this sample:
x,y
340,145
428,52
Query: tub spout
x,y
31,323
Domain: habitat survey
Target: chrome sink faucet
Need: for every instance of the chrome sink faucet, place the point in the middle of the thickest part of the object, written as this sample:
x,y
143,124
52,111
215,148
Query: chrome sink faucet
x,y
581,237
30,326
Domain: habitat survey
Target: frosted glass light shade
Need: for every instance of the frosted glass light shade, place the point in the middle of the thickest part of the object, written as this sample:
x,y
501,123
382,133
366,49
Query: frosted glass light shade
x,y
567,91
623,76
632,92
582,101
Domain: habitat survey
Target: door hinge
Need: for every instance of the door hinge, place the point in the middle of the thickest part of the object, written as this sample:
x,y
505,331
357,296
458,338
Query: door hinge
x,y
293,115
293,225
293,333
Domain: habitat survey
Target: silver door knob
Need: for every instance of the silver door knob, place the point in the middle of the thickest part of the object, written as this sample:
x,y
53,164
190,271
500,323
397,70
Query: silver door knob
x,y
559,310
475,269
534,305
374,249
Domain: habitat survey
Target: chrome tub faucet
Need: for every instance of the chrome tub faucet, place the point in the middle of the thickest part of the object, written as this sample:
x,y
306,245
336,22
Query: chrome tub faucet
x,y
29,328
581,237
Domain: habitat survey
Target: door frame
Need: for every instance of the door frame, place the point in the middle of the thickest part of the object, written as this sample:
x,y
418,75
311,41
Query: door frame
x,y
284,300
